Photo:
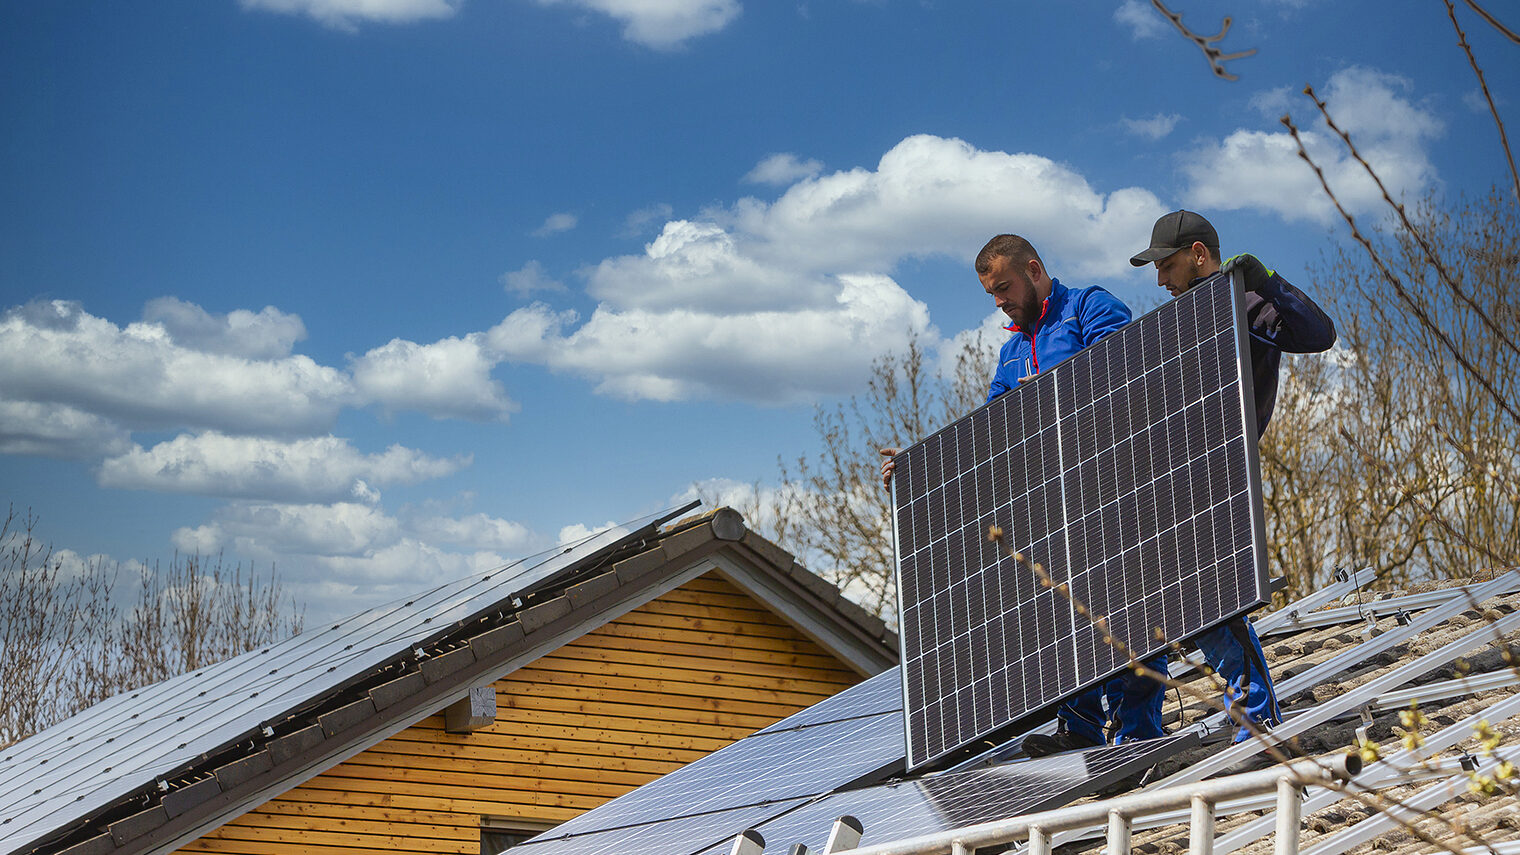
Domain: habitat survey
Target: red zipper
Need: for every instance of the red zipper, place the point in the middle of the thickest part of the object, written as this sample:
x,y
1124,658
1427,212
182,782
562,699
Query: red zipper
x,y
1034,355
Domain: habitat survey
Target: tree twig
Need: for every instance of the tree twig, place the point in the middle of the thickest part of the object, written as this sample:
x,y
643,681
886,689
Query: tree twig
x,y
1217,58
1451,12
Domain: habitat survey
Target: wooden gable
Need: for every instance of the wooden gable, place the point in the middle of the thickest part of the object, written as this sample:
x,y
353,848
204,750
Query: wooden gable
x,y
664,684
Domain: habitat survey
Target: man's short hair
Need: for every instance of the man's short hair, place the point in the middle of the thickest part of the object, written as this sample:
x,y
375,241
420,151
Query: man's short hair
x,y
1011,247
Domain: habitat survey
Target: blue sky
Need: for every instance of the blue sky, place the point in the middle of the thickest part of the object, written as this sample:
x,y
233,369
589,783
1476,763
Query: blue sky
x,y
383,292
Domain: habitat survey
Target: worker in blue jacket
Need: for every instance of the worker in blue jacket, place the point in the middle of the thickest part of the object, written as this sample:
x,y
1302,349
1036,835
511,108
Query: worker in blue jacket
x,y
1050,322
1280,319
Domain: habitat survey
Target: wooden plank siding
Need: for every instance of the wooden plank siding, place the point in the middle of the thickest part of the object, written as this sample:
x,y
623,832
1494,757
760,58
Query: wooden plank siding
x,y
666,684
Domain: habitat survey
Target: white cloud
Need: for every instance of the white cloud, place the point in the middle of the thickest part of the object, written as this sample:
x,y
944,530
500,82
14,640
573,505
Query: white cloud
x,y
1154,128
279,530
347,14
577,532
694,263
56,353
555,224
1476,102
270,334
450,378
783,168
479,532
935,196
350,555
981,344
1143,20
58,430
639,222
1261,169
772,357
786,301
408,565
322,469
661,24
528,280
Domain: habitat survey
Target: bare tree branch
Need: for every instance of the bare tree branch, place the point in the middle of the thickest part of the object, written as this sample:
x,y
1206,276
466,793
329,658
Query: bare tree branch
x,y
1217,58
1451,12
1508,33
1415,306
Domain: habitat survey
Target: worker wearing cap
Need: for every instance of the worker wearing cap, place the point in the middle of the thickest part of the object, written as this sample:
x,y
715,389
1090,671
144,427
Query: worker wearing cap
x,y
1280,319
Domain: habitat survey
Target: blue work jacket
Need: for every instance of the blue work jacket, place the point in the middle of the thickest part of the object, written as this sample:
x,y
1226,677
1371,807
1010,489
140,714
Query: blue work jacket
x,y
1071,319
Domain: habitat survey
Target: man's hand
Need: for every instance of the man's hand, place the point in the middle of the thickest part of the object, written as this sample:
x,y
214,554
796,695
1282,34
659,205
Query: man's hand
x,y
888,465
1253,274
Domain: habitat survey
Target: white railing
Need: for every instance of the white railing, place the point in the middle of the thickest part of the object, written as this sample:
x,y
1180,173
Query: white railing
x,y
1287,780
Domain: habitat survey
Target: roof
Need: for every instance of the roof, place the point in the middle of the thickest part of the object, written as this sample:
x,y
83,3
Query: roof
x,y
1334,654
149,769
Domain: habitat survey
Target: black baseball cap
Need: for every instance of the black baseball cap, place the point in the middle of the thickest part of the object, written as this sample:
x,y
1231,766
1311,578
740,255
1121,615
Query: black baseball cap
x,y
1175,231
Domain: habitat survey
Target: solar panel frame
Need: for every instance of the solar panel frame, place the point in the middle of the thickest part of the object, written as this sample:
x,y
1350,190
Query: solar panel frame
x,y
1101,445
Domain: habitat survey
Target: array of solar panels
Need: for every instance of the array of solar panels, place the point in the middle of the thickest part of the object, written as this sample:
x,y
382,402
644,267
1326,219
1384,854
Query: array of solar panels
x,y
791,781
124,743
1128,472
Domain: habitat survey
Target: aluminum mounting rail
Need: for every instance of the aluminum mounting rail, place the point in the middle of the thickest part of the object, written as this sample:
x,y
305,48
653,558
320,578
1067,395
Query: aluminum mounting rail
x,y
1407,812
1316,674
1380,608
1290,614
1329,710
1380,775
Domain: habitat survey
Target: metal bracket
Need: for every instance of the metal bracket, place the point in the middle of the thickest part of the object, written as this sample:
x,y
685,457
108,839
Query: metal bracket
x,y
1366,715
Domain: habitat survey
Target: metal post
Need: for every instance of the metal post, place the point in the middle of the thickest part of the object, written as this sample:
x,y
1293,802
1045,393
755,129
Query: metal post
x,y
1289,814
1039,841
1118,833
1201,832
844,835
748,843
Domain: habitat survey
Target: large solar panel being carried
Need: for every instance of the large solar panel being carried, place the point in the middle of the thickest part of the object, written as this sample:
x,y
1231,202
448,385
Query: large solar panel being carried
x,y
1129,472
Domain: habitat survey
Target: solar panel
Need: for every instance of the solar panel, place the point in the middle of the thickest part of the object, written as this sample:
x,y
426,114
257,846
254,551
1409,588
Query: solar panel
x,y
763,768
904,809
1129,472
879,694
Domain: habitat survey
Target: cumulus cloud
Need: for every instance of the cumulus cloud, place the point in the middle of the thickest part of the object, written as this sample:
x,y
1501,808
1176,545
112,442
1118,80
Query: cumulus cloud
x,y
579,532
661,24
693,263
353,555
1261,169
450,378
788,300
269,334
55,353
768,357
528,280
1154,128
1141,19
277,530
783,168
555,224
57,430
321,469
347,14
927,194
478,532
